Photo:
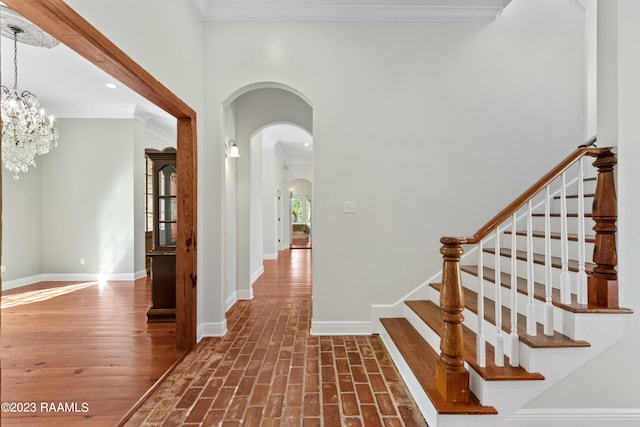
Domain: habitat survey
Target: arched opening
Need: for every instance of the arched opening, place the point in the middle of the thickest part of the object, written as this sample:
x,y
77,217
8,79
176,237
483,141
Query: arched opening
x,y
270,123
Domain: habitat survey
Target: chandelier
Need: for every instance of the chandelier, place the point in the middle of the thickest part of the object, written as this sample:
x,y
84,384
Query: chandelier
x,y
26,131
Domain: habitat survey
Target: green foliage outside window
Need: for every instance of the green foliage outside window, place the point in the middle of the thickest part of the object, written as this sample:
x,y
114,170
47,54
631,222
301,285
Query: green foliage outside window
x,y
296,210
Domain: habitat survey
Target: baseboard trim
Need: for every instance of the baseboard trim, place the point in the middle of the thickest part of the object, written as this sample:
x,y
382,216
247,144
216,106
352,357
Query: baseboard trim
x,y
270,256
140,274
256,274
587,417
340,328
211,329
23,281
244,294
228,303
71,277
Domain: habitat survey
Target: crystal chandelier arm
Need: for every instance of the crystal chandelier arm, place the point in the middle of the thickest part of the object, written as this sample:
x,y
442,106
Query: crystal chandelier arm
x,y
25,131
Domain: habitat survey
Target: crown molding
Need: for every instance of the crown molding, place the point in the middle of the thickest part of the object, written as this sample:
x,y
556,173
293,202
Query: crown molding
x,y
427,10
162,126
97,111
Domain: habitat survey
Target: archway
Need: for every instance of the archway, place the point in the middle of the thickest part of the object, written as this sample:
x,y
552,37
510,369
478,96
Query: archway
x,y
248,112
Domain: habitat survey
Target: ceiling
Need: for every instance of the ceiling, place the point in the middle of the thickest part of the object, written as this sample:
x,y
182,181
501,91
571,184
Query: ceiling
x,y
69,86
296,144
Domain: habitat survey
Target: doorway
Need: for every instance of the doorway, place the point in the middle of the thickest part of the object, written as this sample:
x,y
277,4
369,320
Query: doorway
x,y
87,41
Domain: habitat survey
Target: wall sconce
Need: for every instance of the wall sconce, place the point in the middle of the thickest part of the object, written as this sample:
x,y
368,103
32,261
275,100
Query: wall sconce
x,y
231,149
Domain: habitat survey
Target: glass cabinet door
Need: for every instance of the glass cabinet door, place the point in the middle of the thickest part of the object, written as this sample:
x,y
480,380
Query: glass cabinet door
x,y
167,206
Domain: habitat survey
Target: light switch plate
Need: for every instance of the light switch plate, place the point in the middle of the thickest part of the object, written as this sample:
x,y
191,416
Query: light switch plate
x,y
350,207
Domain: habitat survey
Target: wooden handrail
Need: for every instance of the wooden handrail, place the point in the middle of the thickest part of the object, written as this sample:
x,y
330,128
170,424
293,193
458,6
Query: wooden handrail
x,y
586,149
452,378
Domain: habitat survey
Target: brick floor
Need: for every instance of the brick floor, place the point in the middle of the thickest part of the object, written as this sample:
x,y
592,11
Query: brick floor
x,y
269,371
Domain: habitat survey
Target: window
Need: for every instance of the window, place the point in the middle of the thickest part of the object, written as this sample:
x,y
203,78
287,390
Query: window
x,y
300,210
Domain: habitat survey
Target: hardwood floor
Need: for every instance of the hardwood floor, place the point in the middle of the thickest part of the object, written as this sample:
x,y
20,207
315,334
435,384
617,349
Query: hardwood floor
x,y
80,353
269,371
285,277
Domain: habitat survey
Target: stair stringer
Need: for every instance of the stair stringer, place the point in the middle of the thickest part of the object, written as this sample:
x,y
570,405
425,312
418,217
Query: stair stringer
x,y
508,396
422,401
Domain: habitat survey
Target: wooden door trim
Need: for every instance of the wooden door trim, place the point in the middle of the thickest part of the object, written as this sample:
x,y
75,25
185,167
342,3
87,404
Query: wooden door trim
x,y
61,21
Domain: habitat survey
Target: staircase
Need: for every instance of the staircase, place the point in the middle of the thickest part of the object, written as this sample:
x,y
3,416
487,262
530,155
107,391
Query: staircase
x,y
533,299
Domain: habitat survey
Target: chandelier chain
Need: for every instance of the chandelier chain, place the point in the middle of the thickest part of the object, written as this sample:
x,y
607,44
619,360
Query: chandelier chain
x,y
15,58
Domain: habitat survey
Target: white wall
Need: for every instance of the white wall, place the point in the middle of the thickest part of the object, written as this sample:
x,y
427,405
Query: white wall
x,y
255,208
230,216
299,171
610,380
87,198
300,187
21,226
84,200
457,98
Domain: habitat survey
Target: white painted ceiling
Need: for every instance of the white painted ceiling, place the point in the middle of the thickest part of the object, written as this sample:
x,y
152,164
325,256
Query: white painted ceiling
x,y
69,86
295,143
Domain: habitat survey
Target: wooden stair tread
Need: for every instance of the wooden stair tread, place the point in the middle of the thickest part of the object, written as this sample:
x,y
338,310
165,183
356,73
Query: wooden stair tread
x,y
557,340
430,314
557,215
575,196
539,292
422,360
556,262
553,235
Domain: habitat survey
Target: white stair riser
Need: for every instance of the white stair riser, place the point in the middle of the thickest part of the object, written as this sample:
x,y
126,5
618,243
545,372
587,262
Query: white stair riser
x,y
564,321
539,271
589,186
572,205
572,224
556,246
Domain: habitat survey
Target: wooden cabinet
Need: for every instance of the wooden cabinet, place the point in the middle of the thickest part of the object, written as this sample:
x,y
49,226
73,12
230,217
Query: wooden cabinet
x,y
163,252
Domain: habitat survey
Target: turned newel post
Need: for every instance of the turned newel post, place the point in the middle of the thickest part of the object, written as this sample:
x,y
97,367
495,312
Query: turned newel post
x,y
603,284
452,379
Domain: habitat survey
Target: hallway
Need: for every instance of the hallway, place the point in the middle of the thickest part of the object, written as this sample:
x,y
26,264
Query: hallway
x,y
269,371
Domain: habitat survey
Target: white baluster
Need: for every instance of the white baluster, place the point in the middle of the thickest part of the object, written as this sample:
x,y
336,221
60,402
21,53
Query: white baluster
x,y
548,306
582,275
481,341
514,360
531,306
499,348
565,277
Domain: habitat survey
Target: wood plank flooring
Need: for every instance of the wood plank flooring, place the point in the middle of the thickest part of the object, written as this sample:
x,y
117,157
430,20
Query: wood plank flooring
x,y
85,345
285,277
